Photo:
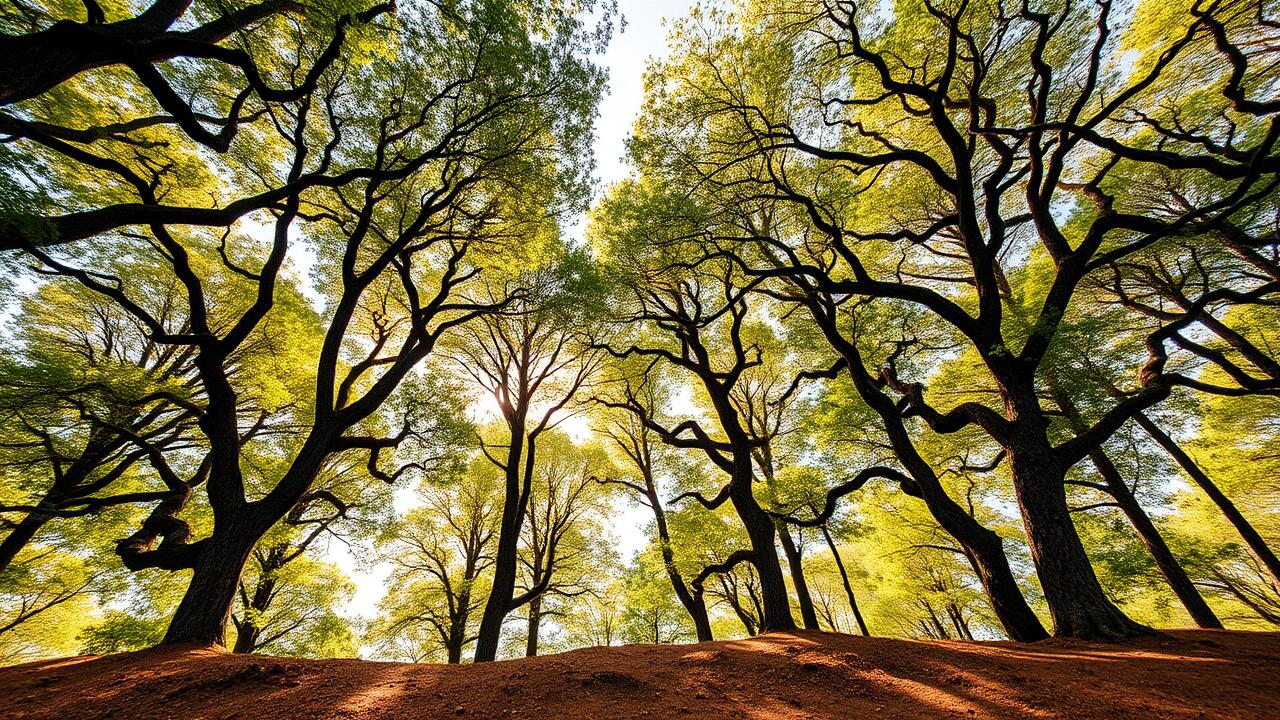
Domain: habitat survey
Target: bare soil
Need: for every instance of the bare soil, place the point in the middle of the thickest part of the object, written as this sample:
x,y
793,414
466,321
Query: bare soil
x,y
1183,674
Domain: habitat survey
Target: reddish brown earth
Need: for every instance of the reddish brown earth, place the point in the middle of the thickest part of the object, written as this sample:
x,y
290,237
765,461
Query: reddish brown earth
x,y
1185,674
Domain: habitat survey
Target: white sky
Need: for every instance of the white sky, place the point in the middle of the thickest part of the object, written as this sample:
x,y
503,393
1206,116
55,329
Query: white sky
x,y
644,37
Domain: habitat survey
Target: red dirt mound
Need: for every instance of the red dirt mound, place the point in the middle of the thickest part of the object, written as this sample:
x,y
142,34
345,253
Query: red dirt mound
x,y
1185,674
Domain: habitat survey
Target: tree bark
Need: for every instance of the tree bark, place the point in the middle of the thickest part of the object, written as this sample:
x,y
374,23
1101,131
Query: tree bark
x,y
458,625
982,547
1252,539
23,533
202,615
693,604
535,621
1152,540
247,634
776,604
1077,603
504,565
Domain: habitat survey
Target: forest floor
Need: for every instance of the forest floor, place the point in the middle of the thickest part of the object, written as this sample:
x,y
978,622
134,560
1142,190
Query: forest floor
x,y
1183,674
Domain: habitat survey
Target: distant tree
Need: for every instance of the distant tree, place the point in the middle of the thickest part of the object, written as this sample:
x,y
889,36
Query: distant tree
x,y
563,532
440,553
530,359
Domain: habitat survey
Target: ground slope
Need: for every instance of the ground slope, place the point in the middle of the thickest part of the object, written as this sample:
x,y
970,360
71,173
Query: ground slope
x,y
1186,674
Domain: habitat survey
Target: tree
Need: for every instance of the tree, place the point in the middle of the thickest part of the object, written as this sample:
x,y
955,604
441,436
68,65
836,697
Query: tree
x,y
678,318
286,599
530,360
440,553
234,67
649,614
643,449
84,398
292,609
766,400
562,530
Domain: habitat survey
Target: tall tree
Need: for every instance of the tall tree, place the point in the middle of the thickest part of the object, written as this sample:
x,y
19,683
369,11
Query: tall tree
x,y
692,322
440,553
562,531
530,359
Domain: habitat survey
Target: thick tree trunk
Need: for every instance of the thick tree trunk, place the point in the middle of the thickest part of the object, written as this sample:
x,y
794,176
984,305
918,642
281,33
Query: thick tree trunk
x,y
1077,603
202,615
535,621
795,564
844,578
984,550
775,602
697,609
1151,538
1252,539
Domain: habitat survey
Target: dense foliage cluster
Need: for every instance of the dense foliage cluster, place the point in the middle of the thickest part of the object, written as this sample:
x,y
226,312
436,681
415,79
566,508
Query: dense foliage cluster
x,y
936,319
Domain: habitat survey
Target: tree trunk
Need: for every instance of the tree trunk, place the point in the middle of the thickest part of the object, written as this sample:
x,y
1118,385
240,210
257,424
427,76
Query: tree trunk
x,y
693,604
248,632
504,565
776,605
1077,603
844,578
958,621
701,622
458,623
1168,565
984,550
246,637
1252,539
934,622
202,615
795,564
735,602
500,593
535,620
